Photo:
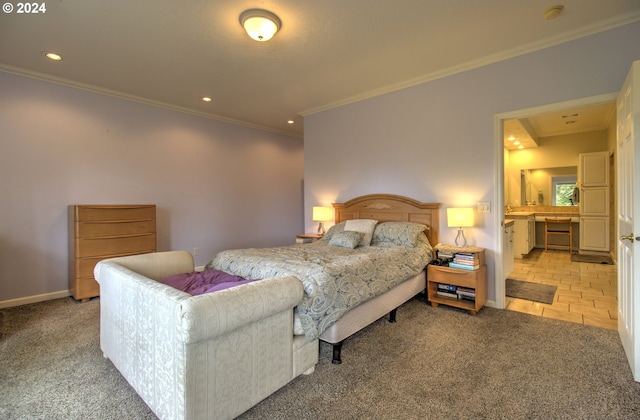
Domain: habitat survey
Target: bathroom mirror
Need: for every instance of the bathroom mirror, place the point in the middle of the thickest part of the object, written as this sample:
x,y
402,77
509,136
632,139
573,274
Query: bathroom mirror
x,y
536,186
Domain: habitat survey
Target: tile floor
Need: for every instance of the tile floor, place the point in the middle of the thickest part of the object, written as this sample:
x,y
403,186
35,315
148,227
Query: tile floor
x,y
586,294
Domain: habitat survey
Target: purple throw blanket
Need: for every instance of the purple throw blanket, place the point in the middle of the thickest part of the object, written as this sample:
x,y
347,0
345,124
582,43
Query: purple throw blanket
x,y
208,281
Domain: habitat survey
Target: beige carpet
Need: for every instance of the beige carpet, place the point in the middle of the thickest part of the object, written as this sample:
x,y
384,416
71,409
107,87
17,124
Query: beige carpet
x,y
433,363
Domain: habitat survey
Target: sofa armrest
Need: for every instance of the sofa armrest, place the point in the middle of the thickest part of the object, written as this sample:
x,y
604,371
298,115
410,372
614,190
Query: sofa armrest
x,y
214,314
155,265
123,290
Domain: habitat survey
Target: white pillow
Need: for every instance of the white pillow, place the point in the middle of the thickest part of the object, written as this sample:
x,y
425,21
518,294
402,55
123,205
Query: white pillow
x,y
365,226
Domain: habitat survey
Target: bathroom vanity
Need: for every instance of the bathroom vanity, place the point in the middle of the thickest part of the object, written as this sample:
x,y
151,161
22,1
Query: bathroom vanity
x,y
524,232
529,231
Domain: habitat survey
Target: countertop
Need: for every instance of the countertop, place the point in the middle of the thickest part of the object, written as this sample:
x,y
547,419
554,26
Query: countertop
x,y
519,214
540,216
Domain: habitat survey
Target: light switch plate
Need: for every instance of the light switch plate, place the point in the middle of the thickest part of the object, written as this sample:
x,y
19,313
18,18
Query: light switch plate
x,y
484,207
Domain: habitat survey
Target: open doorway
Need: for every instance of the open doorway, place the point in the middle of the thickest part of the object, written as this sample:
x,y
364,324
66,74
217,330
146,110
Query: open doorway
x,y
586,293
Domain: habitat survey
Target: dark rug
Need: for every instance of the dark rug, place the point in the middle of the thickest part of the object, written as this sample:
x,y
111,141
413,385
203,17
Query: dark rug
x,y
596,259
536,292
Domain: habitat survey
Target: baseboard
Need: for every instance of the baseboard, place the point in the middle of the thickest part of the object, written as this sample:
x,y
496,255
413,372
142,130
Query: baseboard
x,y
46,296
33,299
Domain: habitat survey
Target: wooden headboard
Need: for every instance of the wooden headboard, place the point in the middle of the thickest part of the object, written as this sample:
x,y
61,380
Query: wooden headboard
x,y
391,208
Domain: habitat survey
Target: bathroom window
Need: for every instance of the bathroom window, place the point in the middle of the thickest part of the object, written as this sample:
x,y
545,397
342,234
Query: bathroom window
x,y
562,190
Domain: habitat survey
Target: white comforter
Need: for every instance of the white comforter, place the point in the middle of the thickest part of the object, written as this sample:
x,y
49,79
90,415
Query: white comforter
x,y
335,279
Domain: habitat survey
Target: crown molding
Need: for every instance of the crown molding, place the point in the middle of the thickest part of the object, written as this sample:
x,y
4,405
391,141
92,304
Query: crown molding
x,y
582,32
133,98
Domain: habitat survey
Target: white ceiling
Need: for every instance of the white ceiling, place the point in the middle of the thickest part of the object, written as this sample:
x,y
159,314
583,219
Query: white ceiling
x,y
578,120
527,131
327,53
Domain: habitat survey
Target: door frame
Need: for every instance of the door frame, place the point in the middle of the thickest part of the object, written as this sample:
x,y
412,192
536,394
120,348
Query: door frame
x,y
498,149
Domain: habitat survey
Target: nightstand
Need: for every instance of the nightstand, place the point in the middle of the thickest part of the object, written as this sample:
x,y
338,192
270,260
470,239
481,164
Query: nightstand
x,y
458,287
305,238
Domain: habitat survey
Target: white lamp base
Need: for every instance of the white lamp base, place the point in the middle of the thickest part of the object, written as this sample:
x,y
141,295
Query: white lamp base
x,y
461,241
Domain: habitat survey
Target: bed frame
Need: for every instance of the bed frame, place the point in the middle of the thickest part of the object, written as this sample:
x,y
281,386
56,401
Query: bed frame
x,y
384,208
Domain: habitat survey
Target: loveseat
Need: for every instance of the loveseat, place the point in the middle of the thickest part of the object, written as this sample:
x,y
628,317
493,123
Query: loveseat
x,y
211,356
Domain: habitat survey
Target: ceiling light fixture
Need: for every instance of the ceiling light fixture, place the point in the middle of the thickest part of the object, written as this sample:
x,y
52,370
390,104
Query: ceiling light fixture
x,y
52,56
553,12
260,24
290,122
206,99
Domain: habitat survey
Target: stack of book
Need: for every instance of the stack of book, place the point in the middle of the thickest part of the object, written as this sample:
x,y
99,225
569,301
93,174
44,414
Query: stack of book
x,y
464,293
447,290
455,292
446,254
465,261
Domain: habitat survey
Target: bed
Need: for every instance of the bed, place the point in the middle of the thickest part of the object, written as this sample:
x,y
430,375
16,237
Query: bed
x,y
367,265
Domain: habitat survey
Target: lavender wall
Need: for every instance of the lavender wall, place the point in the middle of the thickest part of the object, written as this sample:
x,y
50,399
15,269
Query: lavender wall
x,y
216,185
435,142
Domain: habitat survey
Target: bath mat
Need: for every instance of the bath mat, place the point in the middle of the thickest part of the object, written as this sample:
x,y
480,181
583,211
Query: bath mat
x,y
596,259
536,292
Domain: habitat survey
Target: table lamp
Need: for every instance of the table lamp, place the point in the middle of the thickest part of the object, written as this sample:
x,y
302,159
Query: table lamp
x,y
460,217
322,214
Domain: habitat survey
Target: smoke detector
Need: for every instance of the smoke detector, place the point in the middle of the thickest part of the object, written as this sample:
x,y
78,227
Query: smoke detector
x,y
553,12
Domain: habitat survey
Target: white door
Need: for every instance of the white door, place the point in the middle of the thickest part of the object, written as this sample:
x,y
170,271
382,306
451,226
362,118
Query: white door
x,y
594,234
628,158
594,201
593,169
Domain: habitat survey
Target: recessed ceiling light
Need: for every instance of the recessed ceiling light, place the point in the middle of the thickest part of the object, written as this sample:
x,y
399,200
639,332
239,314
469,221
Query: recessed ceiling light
x,y
290,122
206,99
521,147
516,143
52,56
511,138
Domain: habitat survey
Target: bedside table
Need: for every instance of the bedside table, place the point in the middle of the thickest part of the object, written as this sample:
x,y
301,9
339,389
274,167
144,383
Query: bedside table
x,y
460,288
305,238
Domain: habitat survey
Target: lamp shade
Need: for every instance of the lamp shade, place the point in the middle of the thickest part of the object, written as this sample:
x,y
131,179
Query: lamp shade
x,y
460,217
322,214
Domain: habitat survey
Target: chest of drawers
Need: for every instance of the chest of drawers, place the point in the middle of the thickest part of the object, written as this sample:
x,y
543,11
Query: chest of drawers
x,y
97,232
